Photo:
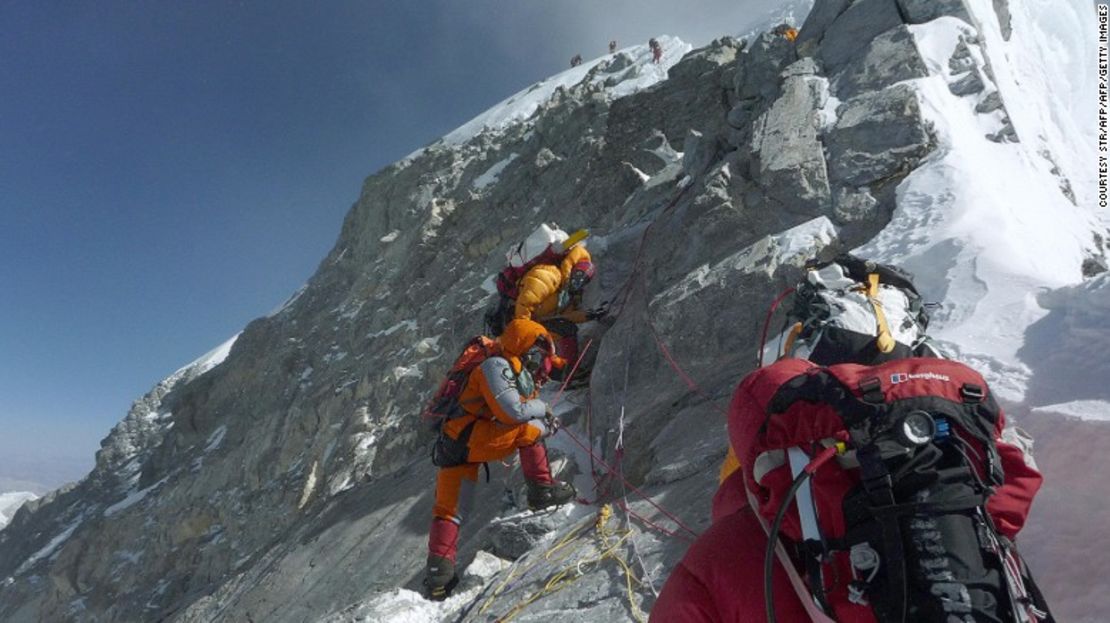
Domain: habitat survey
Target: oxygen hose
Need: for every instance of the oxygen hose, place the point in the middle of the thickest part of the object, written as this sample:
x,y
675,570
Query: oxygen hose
x,y
776,525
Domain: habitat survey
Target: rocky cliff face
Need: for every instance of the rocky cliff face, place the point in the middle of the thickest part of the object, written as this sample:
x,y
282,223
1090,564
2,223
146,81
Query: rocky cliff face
x,y
291,481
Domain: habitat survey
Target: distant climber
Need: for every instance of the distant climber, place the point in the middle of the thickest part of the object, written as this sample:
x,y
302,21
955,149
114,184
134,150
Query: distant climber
x,y
887,479
501,413
612,46
576,60
787,31
552,295
656,50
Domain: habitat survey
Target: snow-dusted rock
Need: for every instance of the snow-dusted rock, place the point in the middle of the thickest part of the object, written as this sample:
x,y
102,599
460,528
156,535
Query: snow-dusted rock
x,y
853,30
878,135
890,57
790,156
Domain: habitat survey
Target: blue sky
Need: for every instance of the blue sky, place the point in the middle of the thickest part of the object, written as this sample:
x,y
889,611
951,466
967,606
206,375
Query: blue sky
x,y
170,170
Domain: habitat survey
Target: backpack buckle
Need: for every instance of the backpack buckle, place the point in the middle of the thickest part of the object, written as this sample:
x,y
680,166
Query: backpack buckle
x,y
871,391
972,393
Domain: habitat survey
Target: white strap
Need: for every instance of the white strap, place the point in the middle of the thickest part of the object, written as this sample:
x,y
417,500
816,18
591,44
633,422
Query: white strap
x,y
814,612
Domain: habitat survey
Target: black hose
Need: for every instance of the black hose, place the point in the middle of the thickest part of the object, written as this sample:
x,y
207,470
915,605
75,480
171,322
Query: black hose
x,y
772,540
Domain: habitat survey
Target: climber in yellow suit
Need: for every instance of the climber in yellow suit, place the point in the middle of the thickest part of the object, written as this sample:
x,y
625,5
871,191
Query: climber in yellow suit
x,y
552,296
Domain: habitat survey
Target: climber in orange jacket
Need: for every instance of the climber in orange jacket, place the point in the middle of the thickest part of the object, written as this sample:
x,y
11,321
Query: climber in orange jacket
x,y
502,414
552,296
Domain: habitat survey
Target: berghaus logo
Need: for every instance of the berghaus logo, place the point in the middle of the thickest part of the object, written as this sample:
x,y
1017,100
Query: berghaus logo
x,y
903,377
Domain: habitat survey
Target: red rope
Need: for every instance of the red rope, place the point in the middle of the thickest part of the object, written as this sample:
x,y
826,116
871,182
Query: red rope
x,y
767,324
563,387
634,488
677,368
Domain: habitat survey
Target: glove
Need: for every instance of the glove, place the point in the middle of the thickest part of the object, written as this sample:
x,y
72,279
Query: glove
x,y
598,312
552,422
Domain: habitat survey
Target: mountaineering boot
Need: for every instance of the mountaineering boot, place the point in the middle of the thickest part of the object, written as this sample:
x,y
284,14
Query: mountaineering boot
x,y
439,577
545,495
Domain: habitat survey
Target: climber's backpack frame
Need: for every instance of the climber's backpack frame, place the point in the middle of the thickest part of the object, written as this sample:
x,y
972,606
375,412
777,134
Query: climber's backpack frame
x,y
898,522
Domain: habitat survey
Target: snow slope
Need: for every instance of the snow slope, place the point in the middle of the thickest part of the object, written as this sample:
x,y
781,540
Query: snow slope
x,y
986,225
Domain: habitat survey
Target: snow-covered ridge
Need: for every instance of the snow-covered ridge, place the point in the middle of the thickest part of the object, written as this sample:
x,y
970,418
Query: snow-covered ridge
x,y
10,503
620,74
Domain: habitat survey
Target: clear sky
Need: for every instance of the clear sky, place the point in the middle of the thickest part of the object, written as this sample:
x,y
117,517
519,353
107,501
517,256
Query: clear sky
x,y
171,170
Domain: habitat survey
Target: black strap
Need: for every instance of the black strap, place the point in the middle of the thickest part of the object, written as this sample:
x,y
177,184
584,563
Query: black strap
x,y
486,465
871,391
880,492
963,503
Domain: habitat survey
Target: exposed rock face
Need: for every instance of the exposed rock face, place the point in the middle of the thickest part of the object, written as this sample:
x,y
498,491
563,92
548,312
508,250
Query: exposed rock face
x,y
292,480
791,161
889,58
876,135
921,11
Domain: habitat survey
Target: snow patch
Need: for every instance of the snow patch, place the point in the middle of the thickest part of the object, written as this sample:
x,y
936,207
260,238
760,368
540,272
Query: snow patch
x,y
492,173
404,606
51,547
407,325
133,499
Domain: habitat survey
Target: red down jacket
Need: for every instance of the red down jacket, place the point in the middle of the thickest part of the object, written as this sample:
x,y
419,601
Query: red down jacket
x,y
721,577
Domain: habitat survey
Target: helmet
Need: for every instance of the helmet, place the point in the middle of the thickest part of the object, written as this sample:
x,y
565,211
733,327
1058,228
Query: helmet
x,y
580,275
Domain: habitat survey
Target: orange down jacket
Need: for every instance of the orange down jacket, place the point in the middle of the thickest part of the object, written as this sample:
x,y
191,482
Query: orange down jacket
x,y
540,288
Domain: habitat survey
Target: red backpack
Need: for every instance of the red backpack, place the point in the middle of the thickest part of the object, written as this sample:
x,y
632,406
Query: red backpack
x,y
878,479
508,280
444,405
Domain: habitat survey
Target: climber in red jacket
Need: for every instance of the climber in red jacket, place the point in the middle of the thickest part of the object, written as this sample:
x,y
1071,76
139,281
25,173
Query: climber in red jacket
x,y
721,577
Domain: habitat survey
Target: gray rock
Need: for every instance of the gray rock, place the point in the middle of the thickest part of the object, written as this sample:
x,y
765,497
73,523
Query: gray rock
x,y
1094,266
1005,19
878,135
854,206
741,114
921,11
820,17
801,67
891,57
969,84
854,29
791,160
545,158
991,102
710,58
514,537
961,59
757,74
1005,134
699,152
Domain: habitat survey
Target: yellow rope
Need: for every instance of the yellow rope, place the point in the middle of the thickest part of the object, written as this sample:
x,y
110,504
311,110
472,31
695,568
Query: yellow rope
x,y
563,578
547,555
